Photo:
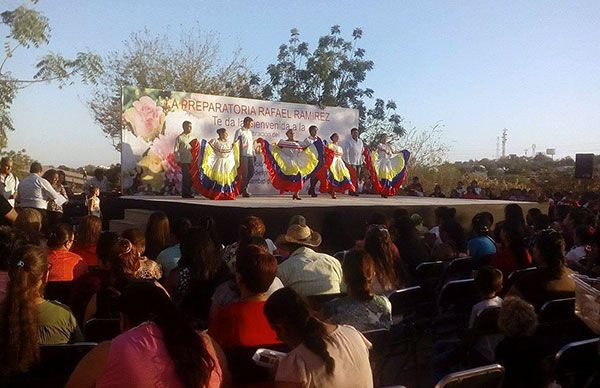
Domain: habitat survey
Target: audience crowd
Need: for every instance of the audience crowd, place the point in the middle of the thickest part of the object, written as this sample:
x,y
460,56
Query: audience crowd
x,y
186,302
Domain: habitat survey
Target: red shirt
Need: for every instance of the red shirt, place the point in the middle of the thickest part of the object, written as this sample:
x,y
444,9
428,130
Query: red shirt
x,y
506,261
65,266
242,324
88,254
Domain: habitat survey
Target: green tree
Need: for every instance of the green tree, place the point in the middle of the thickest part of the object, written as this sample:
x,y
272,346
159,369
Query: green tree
x,y
191,63
27,28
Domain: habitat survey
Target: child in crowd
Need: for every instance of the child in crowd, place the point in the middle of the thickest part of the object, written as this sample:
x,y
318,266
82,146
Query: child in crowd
x,y
93,202
583,237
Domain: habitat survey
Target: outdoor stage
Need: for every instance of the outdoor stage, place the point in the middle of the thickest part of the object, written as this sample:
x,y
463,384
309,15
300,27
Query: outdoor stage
x,y
341,221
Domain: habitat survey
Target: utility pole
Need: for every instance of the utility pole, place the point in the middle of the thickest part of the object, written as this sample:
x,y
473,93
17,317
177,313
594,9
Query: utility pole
x,y
504,138
533,147
497,147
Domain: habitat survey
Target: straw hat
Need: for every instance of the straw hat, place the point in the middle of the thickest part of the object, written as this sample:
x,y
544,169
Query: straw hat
x,y
300,234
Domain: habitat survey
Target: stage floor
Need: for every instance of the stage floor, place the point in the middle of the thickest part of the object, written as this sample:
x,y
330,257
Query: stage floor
x,y
323,200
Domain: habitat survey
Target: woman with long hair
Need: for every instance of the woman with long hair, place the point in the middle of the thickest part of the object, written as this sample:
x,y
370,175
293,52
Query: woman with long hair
x,y
55,211
512,252
158,347
199,271
65,265
411,247
454,242
387,167
339,176
361,309
158,235
147,268
86,238
323,355
389,271
27,320
30,222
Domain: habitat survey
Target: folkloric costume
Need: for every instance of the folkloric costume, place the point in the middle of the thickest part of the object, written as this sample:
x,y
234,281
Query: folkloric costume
x,y
387,168
215,169
289,165
339,176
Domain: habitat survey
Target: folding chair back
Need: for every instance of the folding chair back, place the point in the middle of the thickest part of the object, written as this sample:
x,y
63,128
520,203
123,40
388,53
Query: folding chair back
x,y
558,310
406,303
489,376
576,363
317,302
98,330
513,277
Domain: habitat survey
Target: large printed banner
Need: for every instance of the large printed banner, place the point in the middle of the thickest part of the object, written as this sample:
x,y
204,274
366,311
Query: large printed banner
x,y
153,119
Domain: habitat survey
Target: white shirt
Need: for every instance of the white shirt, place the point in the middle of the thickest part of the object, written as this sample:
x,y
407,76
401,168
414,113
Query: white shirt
x,y
9,184
311,273
183,148
34,191
576,254
308,141
93,181
247,146
353,151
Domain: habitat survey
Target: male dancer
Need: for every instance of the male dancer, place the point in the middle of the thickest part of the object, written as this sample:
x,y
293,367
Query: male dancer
x,y
353,155
183,156
312,137
247,156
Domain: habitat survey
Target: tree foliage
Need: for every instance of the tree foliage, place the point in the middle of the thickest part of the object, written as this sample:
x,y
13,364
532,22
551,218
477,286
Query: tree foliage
x,y
27,28
191,63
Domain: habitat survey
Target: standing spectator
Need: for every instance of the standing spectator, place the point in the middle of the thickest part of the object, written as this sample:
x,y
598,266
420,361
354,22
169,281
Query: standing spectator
x,y
86,238
158,348
157,234
169,257
62,177
437,192
27,320
306,271
361,309
8,181
243,323
34,192
148,269
247,155
65,265
93,202
324,355
99,180
183,157
481,247
353,155
54,210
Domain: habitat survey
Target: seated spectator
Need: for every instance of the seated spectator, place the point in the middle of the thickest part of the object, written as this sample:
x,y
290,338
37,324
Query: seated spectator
x,y
30,222
229,291
417,221
250,226
442,213
481,247
158,348
64,265
489,283
169,257
415,188
513,214
157,235
86,238
583,237
523,355
148,269
471,193
199,271
306,271
27,320
361,308
412,248
324,355
11,239
553,280
454,243
512,252
243,323
437,192
390,274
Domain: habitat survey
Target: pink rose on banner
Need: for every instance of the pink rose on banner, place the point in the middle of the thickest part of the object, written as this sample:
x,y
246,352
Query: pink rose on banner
x,y
145,117
164,146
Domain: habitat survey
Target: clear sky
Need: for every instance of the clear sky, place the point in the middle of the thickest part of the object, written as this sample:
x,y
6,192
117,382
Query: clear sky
x,y
476,66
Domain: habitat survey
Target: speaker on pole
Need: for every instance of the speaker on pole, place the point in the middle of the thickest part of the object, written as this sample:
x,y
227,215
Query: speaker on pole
x,y
584,166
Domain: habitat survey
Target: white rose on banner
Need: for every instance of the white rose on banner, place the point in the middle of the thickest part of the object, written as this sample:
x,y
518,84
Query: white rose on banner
x,y
145,117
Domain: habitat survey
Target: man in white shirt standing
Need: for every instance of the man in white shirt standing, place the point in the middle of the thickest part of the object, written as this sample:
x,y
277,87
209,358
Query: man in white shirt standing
x,y
99,180
8,181
247,155
310,139
183,157
34,191
353,155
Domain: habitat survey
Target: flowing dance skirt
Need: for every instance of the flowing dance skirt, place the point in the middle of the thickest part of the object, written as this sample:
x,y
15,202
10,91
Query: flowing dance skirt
x,y
387,173
215,175
288,169
339,176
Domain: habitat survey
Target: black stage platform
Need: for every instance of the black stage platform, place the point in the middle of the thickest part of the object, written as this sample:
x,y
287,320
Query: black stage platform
x,y
341,221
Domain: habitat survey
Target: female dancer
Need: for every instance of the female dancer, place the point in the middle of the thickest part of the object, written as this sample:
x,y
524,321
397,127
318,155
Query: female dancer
x,y
387,167
289,165
339,177
215,167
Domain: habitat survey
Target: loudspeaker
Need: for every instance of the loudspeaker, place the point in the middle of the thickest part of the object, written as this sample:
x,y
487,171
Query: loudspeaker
x,y
584,166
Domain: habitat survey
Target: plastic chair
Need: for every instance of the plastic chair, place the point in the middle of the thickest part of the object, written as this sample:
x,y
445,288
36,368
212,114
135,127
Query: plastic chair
x,y
513,277
98,330
380,340
428,276
489,376
576,363
454,304
243,369
406,303
557,310
460,268
316,302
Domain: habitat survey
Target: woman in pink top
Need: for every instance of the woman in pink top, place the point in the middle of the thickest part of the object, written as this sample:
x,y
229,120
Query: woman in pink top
x,y
157,349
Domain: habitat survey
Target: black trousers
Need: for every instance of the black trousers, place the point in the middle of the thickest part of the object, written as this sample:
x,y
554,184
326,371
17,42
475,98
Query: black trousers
x,y
358,169
186,179
247,163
